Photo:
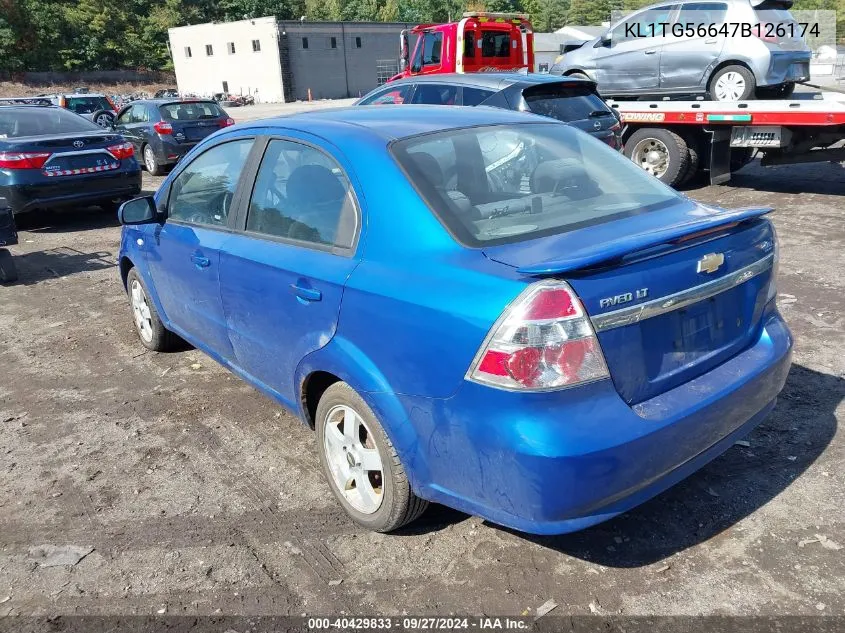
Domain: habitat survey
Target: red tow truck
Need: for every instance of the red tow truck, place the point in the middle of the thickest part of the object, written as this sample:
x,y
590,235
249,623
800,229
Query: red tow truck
x,y
479,42
673,139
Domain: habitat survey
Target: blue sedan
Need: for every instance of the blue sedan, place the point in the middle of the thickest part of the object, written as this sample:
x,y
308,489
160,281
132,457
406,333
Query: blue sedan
x,y
475,307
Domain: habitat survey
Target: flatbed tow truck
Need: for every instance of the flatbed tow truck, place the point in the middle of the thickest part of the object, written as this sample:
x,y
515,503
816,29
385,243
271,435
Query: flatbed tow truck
x,y
676,140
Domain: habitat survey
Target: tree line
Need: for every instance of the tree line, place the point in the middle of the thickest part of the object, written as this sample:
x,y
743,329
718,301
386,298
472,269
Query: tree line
x,y
63,35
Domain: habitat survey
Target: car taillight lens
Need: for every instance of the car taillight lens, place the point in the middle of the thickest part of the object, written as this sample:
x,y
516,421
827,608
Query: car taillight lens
x,y
765,32
124,150
23,160
163,127
543,341
227,122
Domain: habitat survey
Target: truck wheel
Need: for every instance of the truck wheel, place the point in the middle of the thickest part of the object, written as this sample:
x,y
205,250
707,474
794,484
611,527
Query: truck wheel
x,y
732,83
660,152
361,464
694,161
8,271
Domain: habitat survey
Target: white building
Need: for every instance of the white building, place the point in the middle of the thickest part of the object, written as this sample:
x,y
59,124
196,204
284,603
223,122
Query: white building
x,y
240,58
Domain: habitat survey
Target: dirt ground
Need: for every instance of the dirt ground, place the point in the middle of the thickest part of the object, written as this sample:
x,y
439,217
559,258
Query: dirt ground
x,y
197,495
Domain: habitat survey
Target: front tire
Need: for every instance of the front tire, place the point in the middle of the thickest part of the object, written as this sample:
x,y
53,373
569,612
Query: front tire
x,y
148,324
151,162
361,464
732,83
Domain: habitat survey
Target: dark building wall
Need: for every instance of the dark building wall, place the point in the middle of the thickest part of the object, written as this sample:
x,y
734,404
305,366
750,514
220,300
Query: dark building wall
x,y
345,70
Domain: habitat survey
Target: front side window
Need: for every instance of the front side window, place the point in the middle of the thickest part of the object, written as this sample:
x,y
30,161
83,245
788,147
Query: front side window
x,y
393,95
302,194
499,184
125,116
435,94
652,22
140,114
702,14
203,192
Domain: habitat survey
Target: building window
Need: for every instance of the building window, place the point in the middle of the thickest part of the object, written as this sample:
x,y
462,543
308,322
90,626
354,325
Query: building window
x,y
209,50
187,51
231,48
304,42
357,42
226,87
333,42
256,46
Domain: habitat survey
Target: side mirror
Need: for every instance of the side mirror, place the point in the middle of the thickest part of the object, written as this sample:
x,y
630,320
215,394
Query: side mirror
x,y
605,40
404,51
138,211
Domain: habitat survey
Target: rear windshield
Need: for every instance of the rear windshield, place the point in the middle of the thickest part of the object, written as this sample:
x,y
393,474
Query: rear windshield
x,y
87,105
194,111
566,103
495,44
500,184
15,122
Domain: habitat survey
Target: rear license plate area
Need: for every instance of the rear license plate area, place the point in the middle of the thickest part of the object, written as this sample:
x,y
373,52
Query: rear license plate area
x,y
80,163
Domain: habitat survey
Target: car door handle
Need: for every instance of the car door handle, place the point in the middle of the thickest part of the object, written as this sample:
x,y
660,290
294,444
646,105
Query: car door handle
x,y
651,51
308,294
200,261
710,41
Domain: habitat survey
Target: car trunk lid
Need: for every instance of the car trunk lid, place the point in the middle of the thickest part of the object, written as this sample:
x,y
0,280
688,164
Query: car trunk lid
x,y
668,302
71,154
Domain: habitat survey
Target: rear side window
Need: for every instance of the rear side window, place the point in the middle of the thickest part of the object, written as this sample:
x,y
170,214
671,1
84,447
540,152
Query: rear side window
x,y
500,184
392,95
565,103
87,105
203,192
702,13
436,94
474,96
35,121
190,111
302,194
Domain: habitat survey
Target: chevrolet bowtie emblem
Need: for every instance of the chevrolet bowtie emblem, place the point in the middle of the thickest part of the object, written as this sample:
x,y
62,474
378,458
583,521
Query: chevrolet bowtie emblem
x,y
710,263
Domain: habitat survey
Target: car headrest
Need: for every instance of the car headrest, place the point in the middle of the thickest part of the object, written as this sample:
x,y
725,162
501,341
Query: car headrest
x,y
312,185
430,168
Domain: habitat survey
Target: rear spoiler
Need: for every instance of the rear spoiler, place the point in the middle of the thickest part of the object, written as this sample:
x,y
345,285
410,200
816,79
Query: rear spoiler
x,y
598,252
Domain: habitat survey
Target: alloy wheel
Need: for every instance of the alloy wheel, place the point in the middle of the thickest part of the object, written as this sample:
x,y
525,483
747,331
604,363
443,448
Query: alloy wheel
x,y
652,155
149,158
141,311
353,459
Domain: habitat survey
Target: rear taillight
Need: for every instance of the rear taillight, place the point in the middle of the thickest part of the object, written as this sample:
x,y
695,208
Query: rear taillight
x,y
227,122
163,127
124,150
543,341
766,32
23,160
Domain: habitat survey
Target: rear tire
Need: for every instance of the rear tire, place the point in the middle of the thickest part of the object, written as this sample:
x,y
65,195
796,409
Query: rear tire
x,y
732,83
8,270
386,501
660,152
694,162
151,162
148,324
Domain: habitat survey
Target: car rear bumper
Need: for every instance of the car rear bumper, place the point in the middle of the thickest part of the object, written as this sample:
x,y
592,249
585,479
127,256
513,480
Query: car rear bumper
x,y
552,463
71,190
787,67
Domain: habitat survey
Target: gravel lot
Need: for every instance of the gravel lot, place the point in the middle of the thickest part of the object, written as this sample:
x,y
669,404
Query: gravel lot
x,y
198,495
